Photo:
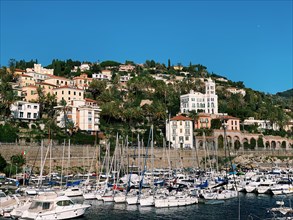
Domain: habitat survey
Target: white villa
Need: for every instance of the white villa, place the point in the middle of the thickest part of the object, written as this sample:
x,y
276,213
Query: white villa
x,y
39,69
207,103
25,110
179,131
262,124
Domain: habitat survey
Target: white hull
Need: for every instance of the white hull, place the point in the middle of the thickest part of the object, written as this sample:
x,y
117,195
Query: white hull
x,y
175,202
120,199
133,200
62,213
147,201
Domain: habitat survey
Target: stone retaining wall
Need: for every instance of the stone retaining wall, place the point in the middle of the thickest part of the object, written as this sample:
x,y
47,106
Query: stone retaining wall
x,y
86,156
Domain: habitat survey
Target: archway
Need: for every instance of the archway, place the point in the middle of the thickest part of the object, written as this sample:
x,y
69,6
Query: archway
x,y
220,142
273,145
283,145
268,146
260,143
245,143
252,143
237,144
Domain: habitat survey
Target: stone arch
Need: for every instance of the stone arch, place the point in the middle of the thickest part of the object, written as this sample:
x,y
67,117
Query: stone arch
x,y
253,143
284,145
278,145
200,144
237,144
268,145
273,144
245,143
220,142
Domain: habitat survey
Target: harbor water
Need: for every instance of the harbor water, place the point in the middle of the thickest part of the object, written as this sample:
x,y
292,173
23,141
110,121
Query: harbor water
x,y
251,206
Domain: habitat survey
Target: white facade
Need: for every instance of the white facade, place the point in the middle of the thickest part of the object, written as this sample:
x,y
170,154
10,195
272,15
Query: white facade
x,y
236,91
25,110
39,69
262,124
179,131
38,77
207,103
101,76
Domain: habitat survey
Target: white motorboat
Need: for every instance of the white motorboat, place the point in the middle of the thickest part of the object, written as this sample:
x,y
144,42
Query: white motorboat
x,y
53,207
7,203
73,192
175,200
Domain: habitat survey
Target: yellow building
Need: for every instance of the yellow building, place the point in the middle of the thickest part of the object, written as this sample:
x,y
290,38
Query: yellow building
x,y
25,80
46,87
29,93
68,93
58,81
82,81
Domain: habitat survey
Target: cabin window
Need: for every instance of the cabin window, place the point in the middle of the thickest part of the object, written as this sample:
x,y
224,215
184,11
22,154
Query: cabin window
x,y
46,205
64,203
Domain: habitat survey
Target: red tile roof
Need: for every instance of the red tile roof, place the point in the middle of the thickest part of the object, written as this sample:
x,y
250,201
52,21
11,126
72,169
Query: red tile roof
x,y
181,118
67,87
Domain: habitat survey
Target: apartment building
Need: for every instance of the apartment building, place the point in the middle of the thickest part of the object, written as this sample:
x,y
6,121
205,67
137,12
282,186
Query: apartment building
x,y
84,114
179,131
68,93
26,111
82,81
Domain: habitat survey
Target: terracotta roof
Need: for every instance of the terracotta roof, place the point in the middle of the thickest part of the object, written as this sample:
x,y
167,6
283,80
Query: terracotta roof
x,y
29,86
25,75
181,118
44,83
227,117
57,77
89,100
67,87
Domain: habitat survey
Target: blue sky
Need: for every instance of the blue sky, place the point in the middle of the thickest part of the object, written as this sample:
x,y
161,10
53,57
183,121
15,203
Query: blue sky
x,y
249,41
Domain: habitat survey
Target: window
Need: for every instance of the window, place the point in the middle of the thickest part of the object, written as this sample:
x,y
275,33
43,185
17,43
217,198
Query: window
x,y
62,92
74,93
187,138
68,92
21,114
180,130
35,107
46,205
29,114
80,94
35,115
28,106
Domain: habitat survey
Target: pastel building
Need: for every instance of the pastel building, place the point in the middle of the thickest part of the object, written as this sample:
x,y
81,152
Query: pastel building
x,y
82,81
231,123
68,93
202,121
84,114
26,111
29,93
179,131
46,87
25,80
58,81
198,102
